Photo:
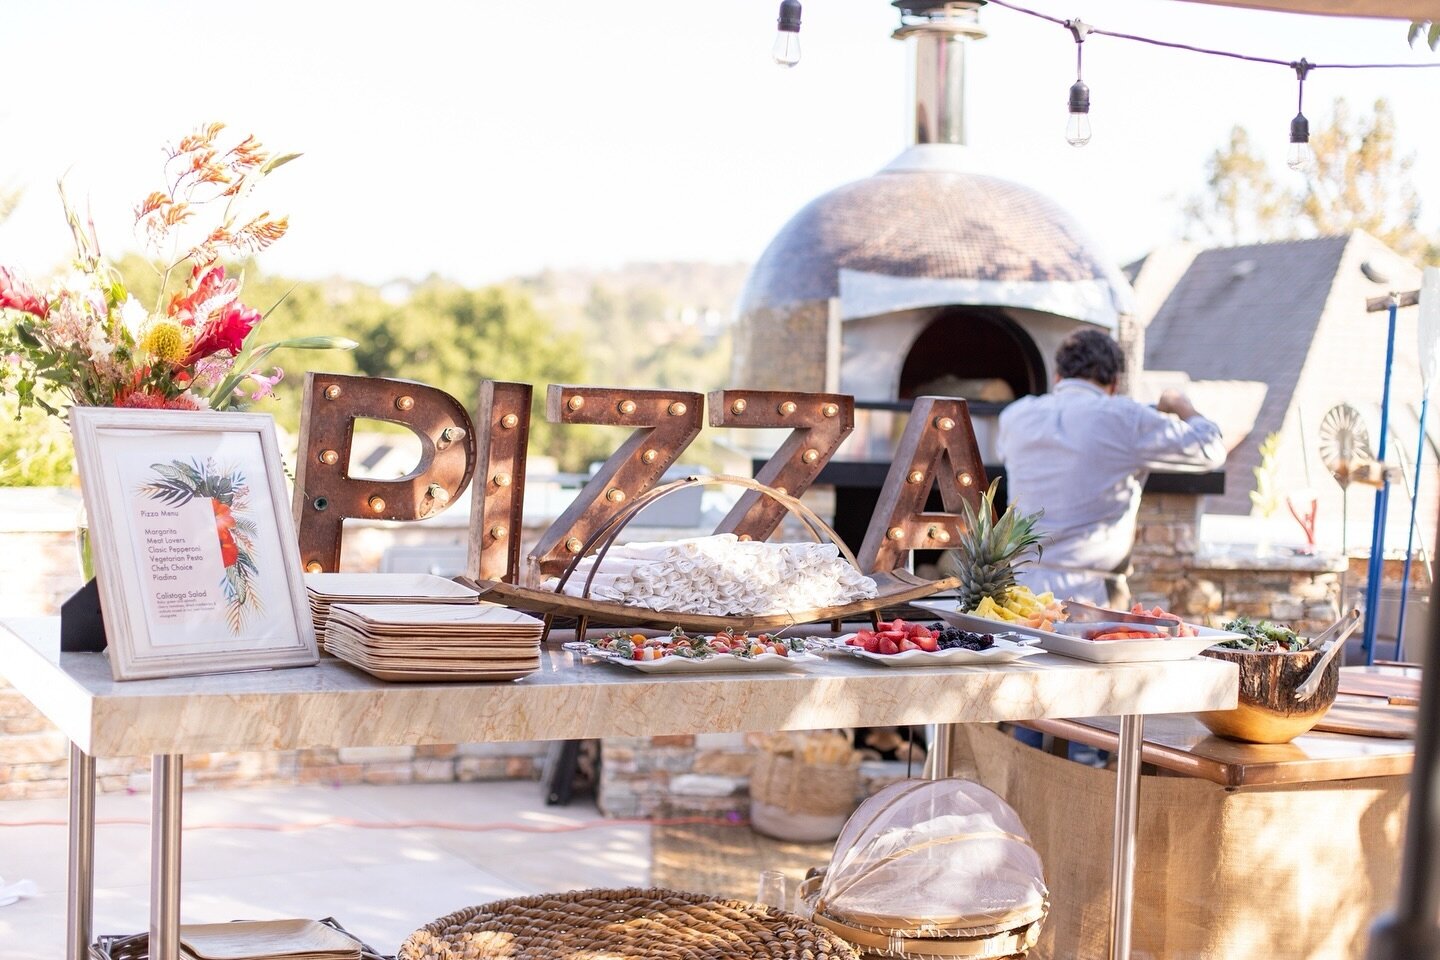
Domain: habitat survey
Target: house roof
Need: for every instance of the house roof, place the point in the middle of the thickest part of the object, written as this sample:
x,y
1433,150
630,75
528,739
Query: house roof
x,y
1263,300
1247,313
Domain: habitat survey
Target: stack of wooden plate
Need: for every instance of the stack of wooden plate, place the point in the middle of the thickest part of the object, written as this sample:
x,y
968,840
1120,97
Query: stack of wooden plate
x,y
429,642
325,589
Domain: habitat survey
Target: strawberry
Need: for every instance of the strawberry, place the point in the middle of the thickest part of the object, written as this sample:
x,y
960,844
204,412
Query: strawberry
x,y
886,646
906,645
871,644
929,642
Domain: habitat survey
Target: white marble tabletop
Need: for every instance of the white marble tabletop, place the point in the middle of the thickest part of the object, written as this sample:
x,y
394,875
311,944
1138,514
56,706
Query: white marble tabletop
x,y
335,705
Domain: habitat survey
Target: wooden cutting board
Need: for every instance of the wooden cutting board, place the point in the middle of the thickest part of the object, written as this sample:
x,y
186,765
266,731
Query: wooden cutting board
x,y
1396,690
1376,719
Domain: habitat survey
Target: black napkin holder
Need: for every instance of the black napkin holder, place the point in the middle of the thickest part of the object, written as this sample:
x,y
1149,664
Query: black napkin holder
x,y
82,625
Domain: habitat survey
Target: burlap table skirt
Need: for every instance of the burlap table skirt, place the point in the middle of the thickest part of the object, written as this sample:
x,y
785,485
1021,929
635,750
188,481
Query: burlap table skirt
x,y
1260,873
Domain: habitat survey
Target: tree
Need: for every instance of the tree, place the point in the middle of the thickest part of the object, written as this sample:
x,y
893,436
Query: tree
x,y
1360,181
443,334
1243,203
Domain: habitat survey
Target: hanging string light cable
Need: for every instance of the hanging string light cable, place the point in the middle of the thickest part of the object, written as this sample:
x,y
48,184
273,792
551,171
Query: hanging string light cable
x,y
1209,51
1077,130
1299,157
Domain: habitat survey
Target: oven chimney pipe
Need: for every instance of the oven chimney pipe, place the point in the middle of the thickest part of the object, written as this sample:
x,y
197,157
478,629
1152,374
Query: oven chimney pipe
x,y
938,31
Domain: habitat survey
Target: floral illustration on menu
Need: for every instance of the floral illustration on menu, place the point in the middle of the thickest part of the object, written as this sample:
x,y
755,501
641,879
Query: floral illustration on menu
x,y
178,482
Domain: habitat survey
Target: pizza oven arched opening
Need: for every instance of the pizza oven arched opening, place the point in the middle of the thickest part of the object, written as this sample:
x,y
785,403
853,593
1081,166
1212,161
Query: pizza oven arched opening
x,y
972,352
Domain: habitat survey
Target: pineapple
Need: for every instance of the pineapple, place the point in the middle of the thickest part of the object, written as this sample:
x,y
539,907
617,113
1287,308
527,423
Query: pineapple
x,y
990,550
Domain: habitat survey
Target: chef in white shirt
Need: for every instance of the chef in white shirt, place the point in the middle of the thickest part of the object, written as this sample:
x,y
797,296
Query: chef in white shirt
x,y
1081,454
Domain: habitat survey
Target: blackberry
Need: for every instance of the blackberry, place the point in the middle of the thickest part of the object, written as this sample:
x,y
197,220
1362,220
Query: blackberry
x,y
952,637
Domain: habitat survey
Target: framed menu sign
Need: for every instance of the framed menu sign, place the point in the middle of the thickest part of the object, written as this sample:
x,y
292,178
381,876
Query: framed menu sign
x,y
196,559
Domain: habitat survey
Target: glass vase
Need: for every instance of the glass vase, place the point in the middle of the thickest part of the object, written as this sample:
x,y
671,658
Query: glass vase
x,y
82,545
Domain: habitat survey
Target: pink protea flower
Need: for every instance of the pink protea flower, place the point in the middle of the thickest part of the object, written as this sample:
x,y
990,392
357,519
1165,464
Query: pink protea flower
x,y
19,295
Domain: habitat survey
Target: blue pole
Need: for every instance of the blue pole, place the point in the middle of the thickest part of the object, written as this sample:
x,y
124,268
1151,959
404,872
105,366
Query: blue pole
x,y
1410,540
1382,502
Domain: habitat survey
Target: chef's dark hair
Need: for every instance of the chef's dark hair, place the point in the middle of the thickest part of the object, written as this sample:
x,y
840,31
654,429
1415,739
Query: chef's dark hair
x,y
1090,355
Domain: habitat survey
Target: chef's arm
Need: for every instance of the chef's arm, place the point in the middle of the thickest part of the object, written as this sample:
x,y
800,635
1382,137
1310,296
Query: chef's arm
x,y
1174,436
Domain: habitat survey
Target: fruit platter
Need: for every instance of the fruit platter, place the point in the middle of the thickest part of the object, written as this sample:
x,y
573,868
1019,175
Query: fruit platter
x,y
899,643
989,597
1101,635
683,653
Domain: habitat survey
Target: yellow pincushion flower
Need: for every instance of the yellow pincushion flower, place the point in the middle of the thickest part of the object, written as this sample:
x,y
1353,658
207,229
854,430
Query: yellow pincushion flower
x,y
164,339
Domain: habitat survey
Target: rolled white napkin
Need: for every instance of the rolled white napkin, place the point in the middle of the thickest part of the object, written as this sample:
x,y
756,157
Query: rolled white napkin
x,y
722,575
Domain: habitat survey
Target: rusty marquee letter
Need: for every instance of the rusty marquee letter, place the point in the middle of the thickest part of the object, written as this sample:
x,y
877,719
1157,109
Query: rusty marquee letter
x,y
665,422
819,422
938,446
496,516
325,493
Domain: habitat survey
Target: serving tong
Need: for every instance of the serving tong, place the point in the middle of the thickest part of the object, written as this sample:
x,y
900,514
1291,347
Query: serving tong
x,y
1336,634
1078,612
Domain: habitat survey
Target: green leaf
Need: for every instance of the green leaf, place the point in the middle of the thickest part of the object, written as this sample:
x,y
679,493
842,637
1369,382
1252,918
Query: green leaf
x,y
275,163
1434,38
1416,29
310,343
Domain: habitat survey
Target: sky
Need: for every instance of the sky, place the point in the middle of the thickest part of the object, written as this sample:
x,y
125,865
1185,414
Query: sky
x,y
485,139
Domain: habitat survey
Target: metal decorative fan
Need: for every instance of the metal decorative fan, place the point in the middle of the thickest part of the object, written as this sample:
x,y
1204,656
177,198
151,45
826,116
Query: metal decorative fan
x,y
1345,450
1345,443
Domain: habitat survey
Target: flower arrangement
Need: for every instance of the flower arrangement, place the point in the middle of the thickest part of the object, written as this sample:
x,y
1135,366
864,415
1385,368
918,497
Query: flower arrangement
x,y
86,340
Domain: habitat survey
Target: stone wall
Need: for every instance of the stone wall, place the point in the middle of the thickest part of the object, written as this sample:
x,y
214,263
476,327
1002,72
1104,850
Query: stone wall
x,y
1173,569
706,775
1166,541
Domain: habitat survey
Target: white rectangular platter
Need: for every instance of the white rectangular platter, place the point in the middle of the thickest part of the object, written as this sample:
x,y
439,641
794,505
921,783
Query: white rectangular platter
x,y
1094,651
1006,650
690,666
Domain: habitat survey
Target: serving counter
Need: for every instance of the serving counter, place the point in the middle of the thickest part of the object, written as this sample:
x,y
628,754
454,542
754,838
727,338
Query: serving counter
x,y
1246,850
334,705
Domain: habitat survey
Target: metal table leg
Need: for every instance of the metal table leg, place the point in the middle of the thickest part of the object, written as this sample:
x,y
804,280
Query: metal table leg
x,y
1122,863
165,778
937,758
80,881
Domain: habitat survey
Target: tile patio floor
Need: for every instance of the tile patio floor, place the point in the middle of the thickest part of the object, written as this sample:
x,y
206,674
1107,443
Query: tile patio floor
x,y
381,880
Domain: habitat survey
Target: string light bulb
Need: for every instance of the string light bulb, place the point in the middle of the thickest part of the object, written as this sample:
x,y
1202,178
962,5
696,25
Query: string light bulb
x,y
1300,157
786,50
1077,129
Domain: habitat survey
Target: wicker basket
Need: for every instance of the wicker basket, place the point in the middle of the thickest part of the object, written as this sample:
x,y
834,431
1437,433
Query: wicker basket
x,y
799,801
136,946
633,923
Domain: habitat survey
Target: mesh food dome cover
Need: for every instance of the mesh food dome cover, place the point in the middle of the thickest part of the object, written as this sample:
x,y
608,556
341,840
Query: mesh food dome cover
x,y
933,858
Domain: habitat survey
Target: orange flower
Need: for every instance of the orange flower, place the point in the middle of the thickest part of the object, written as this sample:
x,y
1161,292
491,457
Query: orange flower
x,y
200,139
224,524
176,213
248,153
260,232
150,204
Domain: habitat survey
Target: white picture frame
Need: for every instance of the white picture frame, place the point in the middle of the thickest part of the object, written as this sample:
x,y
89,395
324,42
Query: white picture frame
x,y
195,553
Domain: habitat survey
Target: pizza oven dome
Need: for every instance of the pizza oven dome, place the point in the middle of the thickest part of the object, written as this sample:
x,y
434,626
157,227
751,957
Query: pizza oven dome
x,y
908,222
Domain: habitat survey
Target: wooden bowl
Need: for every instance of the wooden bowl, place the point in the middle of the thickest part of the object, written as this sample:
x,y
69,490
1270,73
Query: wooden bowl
x,y
1268,711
